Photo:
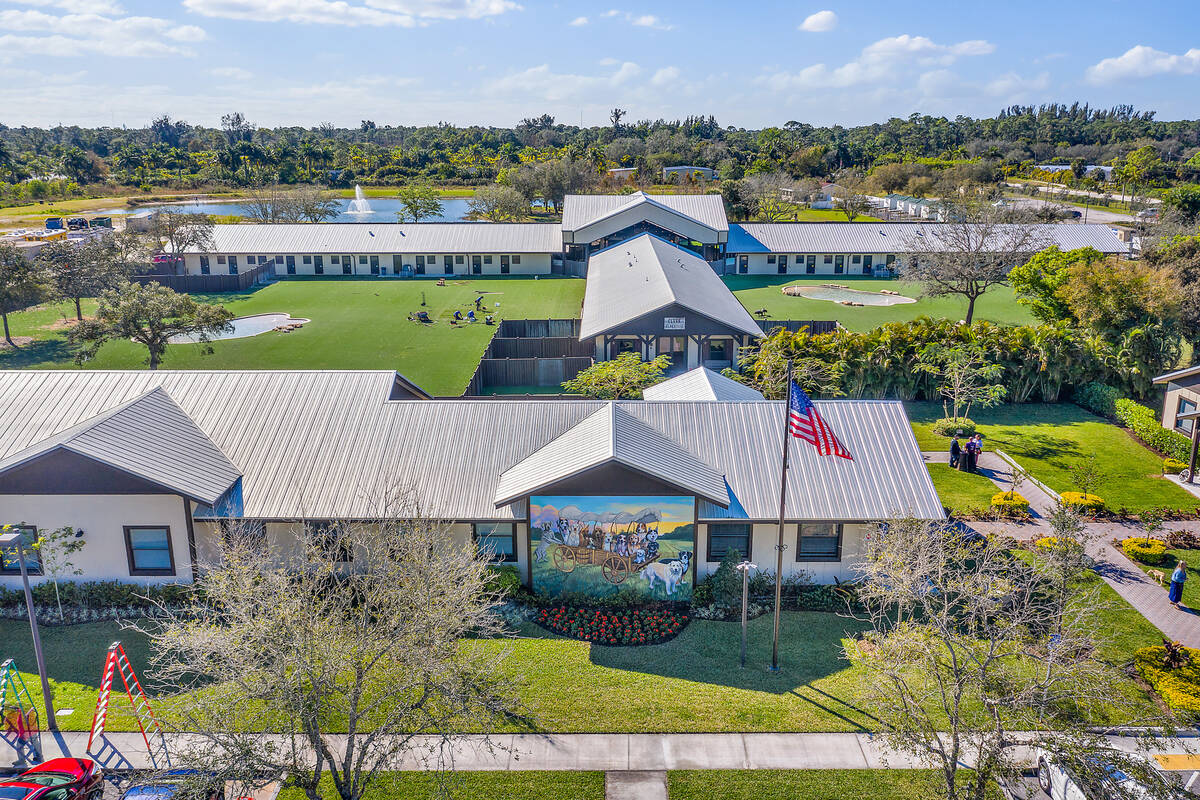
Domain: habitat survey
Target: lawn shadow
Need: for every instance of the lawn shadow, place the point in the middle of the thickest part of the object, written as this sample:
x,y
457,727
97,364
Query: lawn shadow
x,y
1046,447
39,353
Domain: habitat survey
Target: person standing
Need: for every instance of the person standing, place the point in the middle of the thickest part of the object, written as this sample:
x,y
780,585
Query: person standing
x,y
955,452
1175,593
972,455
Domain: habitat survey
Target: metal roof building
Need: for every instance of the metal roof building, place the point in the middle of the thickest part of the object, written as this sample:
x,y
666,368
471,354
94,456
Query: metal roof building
x,y
889,237
583,210
387,237
702,383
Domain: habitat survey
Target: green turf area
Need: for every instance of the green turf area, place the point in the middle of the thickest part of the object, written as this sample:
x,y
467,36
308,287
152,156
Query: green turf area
x,y
515,785
1050,439
765,291
805,784
1191,587
961,492
825,215
355,324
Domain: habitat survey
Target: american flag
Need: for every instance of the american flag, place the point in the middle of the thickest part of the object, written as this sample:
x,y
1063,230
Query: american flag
x,y
805,422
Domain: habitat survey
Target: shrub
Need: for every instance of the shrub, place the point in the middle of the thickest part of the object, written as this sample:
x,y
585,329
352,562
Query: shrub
x,y
948,427
1099,398
727,581
1010,504
98,594
1046,543
1147,551
1173,467
637,627
1183,540
1179,688
1145,425
1083,503
504,579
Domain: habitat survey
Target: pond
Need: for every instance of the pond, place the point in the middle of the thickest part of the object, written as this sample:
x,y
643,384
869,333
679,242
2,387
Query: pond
x,y
383,209
852,295
244,327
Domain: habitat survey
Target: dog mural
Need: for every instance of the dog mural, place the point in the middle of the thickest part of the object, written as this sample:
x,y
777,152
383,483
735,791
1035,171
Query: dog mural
x,y
670,573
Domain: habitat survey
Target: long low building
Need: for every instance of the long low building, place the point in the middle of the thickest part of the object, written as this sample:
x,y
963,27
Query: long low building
x,y
151,467
591,224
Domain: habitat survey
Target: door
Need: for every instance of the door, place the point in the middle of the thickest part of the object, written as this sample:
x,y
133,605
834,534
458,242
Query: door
x,y
448,265
676,348
743,265
505,267
420,270
839,265
319,265
810,265
476,265
291,265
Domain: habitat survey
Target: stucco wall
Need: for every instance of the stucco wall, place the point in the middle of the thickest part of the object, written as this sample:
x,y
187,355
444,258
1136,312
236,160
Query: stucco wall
x,y
531,264
1171,402
102,519
763,540
757,264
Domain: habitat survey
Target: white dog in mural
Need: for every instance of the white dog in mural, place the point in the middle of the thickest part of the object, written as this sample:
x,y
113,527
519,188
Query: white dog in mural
x,y
670,573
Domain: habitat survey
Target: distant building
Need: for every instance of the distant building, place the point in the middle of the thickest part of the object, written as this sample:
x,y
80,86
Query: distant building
x,y
622,173
683,171
1088,171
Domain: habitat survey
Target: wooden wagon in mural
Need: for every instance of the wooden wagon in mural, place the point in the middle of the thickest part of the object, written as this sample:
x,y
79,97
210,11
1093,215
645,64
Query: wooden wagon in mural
x,y
613,566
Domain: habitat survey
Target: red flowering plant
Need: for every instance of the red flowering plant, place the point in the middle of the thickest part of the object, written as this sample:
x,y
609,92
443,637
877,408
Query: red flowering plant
x,y
611,627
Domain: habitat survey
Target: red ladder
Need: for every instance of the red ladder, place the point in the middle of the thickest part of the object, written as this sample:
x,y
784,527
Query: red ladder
x,y
116,662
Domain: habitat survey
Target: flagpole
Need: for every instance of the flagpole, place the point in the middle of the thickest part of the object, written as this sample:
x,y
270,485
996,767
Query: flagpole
x,y
779,546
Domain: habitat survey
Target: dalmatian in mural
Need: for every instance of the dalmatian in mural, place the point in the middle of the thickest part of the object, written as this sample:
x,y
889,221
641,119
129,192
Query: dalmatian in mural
x,y
670,573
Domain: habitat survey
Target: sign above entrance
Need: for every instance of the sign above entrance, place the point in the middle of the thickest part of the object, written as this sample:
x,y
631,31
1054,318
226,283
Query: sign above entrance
x,y
674,323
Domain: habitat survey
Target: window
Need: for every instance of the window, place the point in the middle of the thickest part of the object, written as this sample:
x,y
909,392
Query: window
x,y
221,260
149,550
819,541
308,259
771,259
516,259
717,350
487,259
329,539
10,560
204,265
460,259
497,540
233,265
278,259
1185,407
362,260
891,259
431,260
856,259
335,260
828,259
728,536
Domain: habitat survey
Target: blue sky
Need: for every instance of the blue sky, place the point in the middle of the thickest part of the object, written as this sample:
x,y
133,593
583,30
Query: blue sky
x,y
749,63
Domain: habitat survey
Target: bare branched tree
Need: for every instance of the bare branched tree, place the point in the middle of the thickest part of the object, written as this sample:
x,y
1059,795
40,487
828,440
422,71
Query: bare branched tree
x,y
341,656
175,231
972,650
973,251
273,204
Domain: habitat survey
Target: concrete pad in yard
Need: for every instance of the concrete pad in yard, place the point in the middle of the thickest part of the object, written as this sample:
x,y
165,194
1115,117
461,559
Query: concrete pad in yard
x,y
635,785
704,751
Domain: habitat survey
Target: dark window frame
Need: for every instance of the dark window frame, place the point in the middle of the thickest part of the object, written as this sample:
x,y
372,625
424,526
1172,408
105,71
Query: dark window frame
x,y
204,267
1185,426
504,558
820,558
516,259
15,569
133,568
712,556
336,548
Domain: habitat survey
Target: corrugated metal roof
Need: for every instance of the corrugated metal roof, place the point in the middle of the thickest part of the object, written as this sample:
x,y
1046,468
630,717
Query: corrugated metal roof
x,y
634,278
887,237
388,237
581,210
611,434
150,437
329,444
702,383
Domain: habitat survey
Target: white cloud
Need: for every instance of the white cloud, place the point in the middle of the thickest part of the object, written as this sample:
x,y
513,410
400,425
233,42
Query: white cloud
x,y
578,21
232,73
542,84
77,6
403,13
665,76
819,22
638,20
40,34
1010,84
1142,62
885,61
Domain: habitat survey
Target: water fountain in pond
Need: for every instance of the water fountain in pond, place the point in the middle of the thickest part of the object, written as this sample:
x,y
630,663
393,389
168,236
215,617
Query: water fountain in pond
x,y
359,204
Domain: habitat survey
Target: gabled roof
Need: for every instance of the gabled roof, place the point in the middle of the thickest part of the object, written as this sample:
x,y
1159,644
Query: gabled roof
x,y
702,383
150,437
611,434
645,274
889,237
582,210
386,237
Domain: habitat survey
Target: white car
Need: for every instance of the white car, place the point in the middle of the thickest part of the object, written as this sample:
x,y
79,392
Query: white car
x,y
1060,784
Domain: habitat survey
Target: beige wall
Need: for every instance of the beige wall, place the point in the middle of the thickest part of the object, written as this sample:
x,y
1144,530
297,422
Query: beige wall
x,y
757,264
102,519
1171,402
763,539
531,264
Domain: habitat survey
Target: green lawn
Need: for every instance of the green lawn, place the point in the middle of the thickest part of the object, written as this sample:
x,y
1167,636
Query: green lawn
x,y
515,785
765,291
961,491
805,784
1050,439
356,324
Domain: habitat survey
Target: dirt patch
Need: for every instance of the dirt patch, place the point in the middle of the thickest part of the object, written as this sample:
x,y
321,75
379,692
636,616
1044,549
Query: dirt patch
x,y
20,340
63,323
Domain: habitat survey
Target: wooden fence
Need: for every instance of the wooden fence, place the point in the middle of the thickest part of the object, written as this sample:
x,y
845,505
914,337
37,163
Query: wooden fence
x,y
508,372
538,328
815,326
211,283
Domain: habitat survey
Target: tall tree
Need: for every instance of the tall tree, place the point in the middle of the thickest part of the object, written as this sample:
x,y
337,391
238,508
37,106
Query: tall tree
x,y
174,232
972,252
150,315
419,201
81,269
1039,280
22,284
498,204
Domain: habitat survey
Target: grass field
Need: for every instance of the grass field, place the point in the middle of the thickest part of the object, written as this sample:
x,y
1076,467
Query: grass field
x,y
805,784
961,491
1049,440
514,785
765,291
356,324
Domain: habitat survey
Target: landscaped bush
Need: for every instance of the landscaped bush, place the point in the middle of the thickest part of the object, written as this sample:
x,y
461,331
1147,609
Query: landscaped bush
x,y
1146,425
1010,504
948,427
1083,503
1173,467
1147,551
1046,543
1180,687
97,595
1099,398
637,627
504,579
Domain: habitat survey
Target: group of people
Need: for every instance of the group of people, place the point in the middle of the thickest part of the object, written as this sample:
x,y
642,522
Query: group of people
x,y
965,458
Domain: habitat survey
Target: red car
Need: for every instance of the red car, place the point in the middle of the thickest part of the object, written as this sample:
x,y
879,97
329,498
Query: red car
x,y
57,779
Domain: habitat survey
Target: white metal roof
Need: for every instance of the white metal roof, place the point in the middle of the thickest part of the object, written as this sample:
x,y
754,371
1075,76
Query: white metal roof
x,y
328,444
388,237
702,383
1186,372
582,210
644,274
149,437
611,434
888,237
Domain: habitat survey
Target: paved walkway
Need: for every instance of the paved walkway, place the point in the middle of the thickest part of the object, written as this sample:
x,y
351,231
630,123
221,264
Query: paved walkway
x,y
999,472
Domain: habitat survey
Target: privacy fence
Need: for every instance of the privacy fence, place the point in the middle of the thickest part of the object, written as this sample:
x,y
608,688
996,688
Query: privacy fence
x,y
211,283
532,354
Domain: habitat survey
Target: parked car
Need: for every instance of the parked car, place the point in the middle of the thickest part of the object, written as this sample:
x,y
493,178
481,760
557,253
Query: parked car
x,y
178,784
57,779
1060,783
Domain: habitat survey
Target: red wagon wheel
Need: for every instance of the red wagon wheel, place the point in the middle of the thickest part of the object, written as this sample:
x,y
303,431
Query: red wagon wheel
x,y
564,558
615,569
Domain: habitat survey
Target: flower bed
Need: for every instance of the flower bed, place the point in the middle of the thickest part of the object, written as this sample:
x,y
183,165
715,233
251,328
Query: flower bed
x,y
1083,503
612,628
1179,688
1147,551
1010,504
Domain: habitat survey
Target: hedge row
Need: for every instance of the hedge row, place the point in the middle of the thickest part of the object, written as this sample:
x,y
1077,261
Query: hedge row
x,y
97,594
1179,688
1145,425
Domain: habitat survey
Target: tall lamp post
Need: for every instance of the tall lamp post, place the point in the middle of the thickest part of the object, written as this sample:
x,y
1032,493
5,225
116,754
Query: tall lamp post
x,y
15,541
